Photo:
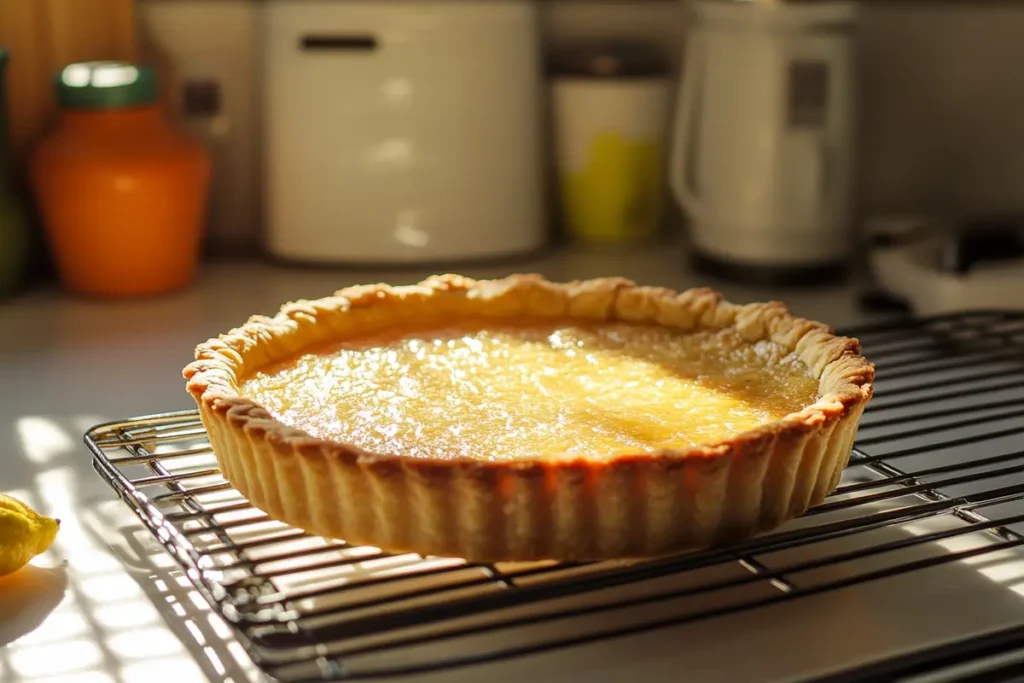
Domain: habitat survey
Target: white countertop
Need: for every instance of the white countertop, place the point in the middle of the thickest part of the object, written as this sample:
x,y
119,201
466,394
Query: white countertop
x,y
67,364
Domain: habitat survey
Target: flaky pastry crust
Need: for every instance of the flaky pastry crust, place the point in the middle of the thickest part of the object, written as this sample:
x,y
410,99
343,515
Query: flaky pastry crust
x,y
633,505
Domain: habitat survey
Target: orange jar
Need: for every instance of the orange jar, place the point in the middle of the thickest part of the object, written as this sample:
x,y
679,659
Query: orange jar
x,y
122,194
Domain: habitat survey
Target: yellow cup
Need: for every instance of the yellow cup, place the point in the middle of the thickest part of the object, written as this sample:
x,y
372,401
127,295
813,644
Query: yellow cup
x,y
609,137
617,195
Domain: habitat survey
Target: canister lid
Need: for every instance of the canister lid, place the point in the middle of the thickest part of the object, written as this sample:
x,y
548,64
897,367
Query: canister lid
x,y
105,85
779,2
610,60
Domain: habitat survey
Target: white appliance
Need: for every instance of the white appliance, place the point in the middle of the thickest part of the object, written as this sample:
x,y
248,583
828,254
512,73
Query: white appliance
x,y
915,260
402,132
764,134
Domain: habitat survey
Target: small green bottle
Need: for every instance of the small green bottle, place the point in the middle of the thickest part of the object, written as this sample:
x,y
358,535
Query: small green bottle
x,y
15,232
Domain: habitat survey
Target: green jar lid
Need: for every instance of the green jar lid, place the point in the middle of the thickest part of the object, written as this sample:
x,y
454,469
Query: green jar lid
x,y
105,85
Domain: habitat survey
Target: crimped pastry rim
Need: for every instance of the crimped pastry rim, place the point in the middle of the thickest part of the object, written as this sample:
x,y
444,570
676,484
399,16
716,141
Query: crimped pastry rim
x,y
627,505
845,381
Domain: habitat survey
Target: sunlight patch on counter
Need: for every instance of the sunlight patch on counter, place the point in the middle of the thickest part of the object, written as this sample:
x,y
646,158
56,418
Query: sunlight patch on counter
x,y
62,624
78,654
126,615
77,677
1004,567
42,439
145,643
161,670
105,629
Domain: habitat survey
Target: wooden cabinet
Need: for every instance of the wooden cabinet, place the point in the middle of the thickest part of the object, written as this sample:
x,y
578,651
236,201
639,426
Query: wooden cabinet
x,y
44,35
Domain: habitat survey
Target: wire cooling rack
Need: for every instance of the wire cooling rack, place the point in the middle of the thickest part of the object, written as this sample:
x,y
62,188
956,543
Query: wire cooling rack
x,y
942,440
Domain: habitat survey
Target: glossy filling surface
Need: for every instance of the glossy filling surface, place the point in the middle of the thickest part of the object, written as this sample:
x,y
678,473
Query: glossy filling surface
x,y
547,389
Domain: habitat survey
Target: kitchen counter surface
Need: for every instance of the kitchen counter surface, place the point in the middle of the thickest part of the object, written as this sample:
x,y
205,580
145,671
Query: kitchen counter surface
x,y
67,364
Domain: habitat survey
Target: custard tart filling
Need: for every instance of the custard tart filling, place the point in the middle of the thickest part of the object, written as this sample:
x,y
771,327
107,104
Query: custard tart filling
x,y
537,389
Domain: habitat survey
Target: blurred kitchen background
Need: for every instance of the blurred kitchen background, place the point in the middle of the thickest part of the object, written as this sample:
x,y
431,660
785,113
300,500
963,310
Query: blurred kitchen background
x,y
912,133
176,166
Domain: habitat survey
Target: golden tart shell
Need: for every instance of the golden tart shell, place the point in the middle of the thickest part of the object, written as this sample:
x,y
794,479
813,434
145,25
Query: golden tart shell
x,y
580,509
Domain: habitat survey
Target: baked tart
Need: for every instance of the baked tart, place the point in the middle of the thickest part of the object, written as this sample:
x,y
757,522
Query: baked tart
x,y
520,419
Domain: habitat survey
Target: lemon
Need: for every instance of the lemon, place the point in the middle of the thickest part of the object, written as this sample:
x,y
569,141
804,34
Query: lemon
x,y
24,533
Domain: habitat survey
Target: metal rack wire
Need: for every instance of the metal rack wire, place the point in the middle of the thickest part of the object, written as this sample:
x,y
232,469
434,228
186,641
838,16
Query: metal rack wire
x,y
942,440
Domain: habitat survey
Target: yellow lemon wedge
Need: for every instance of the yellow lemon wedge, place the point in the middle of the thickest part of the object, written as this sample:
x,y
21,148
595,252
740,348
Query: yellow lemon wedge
x,y
24,533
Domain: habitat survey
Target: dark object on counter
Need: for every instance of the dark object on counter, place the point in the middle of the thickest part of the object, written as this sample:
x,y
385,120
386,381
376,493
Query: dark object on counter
x,y
877,301
122,194
982,242
609,60
770,276
15,233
